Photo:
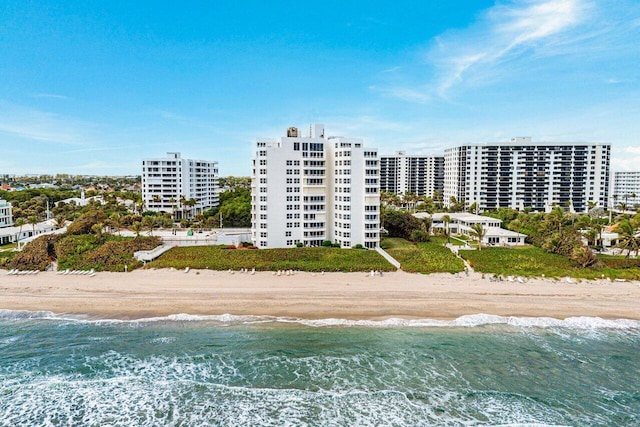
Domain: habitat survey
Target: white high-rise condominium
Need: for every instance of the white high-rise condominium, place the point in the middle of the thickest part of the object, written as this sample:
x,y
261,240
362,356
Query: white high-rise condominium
x,y
522,174
419,174
312,189
182,187
626,189
6,216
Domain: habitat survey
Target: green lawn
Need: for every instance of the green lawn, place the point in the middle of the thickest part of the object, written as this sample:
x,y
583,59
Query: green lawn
x,y
305,259
9,246
5,258
533,261
428,257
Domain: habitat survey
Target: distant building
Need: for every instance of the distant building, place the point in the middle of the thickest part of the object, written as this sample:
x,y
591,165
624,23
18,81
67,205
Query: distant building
x,y
626,188
422,175
170,183
522,174
82,200
312,189
6,215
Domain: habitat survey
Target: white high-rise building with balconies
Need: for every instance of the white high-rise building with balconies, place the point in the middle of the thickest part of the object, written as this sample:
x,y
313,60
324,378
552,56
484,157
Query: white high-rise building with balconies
x,y
421,175
522,174
626,189
171,184
315,188
6,215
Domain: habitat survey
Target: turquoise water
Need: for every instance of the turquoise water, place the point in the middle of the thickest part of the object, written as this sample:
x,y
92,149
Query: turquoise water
x,y
242,371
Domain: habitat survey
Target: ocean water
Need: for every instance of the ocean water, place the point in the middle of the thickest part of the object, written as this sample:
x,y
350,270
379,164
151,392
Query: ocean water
x,y
244,371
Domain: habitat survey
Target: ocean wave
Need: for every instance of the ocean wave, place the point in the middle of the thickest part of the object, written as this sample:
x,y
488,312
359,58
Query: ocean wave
x,y
467,321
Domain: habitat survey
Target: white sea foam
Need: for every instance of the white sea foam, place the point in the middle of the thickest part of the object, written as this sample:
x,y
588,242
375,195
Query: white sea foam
x,y
467,321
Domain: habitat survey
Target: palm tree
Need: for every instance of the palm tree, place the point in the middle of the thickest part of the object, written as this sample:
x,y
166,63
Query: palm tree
x,y
478,232
190,204
116,221
410,199
137,228
149,222
622,206
33,221
173,208
20,222
629,240
97,230
60,221
183,201
447,220
554,218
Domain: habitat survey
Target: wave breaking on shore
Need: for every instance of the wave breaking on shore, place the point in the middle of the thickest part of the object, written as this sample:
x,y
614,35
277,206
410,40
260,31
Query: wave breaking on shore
x,y
467,321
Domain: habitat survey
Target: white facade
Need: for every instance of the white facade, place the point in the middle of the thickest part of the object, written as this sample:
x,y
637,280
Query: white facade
x,y
522,174
167,182
26,233
312,189
6,215
418,174
462,222
626,188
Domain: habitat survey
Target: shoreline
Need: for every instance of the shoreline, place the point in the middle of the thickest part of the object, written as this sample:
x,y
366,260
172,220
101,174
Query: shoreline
x,y
350,296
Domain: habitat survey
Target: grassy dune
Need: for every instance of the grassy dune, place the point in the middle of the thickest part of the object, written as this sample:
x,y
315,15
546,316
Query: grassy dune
x,y
304,259
428,257
533,261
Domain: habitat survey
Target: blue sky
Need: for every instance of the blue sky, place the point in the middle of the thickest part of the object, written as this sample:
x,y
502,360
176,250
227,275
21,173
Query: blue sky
x,y
94,87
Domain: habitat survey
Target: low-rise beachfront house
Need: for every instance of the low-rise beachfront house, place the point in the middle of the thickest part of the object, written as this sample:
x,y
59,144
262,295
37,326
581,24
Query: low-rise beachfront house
x,y
6,216
461,223
25,233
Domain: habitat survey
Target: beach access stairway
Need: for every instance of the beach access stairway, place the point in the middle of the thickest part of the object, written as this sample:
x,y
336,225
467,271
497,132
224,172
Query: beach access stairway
x,y
146,256
388,257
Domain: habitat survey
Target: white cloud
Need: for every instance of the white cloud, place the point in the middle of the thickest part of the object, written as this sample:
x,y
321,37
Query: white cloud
x,y
633,150
32,124
503,33
49,95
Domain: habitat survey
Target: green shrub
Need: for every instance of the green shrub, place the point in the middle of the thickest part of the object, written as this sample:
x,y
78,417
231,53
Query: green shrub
x,y
426,257
36,254
86,252
305,259
533,261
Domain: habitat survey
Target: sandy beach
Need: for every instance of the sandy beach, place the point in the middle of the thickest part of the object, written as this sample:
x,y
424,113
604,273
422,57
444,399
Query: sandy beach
x,y
148,293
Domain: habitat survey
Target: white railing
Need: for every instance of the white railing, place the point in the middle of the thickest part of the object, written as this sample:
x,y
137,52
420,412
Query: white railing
x,y
388,257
